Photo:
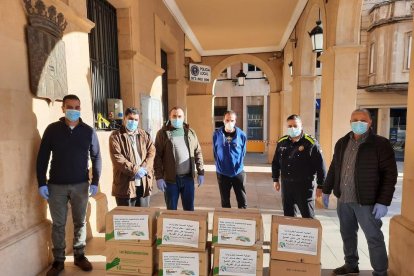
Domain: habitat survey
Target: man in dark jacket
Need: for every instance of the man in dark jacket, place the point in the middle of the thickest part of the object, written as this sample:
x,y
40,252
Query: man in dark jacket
x,y
362,175
71,143
132,154
296,161
178,155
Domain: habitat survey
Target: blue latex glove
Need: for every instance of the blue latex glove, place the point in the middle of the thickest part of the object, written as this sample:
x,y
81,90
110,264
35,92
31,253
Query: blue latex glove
x,y
325,200
379,210
93,189
141,173
200,180
161,185
44,192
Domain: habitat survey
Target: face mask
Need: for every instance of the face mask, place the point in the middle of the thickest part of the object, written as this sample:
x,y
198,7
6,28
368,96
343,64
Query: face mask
x,y
177,123
72,115
294,131
131,125
229,126
359,127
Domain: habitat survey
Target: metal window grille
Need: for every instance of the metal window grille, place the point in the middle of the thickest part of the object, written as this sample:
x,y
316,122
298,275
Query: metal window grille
x,y
103,50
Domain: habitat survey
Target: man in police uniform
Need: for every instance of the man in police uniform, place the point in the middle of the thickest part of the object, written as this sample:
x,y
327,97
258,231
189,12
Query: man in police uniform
x,y
296,161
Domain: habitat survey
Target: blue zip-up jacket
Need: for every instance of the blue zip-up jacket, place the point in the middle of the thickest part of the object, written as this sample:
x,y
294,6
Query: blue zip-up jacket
x,y
229,156
71,149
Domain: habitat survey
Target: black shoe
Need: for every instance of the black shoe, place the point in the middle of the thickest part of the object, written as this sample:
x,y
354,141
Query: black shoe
x,y
346,270
82,262
57,267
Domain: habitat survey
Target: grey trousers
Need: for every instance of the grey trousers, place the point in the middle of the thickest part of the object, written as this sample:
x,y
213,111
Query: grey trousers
x,y
352,214
59,196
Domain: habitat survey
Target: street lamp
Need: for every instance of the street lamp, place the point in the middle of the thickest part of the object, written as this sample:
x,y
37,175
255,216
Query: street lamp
x,y
291,68
316,36
241,77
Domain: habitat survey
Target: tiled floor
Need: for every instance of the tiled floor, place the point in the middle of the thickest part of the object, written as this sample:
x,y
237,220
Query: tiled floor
x,y
260,195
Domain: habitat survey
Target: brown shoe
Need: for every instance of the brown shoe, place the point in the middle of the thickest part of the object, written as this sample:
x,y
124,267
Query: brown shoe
x,y
57,267
83,263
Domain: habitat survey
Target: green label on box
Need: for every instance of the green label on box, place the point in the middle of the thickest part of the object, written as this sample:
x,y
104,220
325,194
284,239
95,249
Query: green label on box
x,y
160,272
159,241
215,239
215,271
109,236
113,264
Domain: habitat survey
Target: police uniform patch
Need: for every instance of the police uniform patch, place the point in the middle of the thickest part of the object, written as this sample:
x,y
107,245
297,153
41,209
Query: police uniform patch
x,y
301,148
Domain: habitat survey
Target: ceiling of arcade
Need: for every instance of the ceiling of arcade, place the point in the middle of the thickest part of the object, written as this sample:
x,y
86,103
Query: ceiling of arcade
x,y
217,27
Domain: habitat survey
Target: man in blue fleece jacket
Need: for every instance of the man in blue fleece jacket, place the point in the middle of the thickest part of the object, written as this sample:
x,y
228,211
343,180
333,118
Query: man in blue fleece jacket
x,y
229,148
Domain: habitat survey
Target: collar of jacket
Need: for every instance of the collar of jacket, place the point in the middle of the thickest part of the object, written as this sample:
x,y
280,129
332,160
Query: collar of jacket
x,y
62,120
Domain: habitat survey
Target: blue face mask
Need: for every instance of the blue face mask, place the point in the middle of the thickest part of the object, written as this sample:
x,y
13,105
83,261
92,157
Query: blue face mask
x,y
131,125
294,131
359,127
72,115
177,123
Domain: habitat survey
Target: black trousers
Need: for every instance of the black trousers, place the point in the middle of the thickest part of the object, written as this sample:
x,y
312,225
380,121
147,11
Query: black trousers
x,y
237,182
138,201
298,196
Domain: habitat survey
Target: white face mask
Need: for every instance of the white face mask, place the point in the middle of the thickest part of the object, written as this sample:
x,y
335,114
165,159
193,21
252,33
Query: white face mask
x,y
229,125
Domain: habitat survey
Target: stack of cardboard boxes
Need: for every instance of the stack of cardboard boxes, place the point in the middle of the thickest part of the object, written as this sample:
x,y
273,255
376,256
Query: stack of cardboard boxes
x,y
237,241
182,243
295,247
130,241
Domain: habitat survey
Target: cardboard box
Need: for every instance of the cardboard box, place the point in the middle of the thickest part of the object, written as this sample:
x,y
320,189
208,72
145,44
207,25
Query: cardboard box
x,y
183,262
247,262
286,268
131,225
129,259
235,228
183,229
296,240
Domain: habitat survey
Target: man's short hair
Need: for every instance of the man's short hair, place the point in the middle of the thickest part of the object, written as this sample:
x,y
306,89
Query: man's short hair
x,y
175,108
230,112
131,110
363,110
294,117
70,97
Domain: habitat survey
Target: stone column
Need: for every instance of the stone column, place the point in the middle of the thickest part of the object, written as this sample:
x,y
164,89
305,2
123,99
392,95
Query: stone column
x,y
401,241
274,126
303,101
383,122
200,117
338,95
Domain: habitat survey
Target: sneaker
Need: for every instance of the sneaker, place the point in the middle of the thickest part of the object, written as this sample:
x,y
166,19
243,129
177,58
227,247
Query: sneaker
x,y
82,262
57,267
346,270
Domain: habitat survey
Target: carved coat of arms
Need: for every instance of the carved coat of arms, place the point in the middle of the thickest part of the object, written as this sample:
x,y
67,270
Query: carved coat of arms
x,y
47,58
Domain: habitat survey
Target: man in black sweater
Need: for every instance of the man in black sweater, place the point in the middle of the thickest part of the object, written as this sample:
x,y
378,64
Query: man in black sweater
x,y
362,175
72,142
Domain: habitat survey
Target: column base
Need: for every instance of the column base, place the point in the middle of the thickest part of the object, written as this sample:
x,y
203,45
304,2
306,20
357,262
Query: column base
x,y
401,247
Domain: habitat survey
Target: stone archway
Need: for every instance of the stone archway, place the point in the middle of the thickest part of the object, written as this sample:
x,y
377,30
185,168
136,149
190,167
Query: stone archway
x,y
245,58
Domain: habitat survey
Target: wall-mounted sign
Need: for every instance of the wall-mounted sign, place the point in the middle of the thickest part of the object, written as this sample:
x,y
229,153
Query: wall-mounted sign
x,y
200,73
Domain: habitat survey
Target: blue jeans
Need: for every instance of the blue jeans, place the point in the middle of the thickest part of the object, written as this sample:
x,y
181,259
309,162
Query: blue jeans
x,y
59,196
184,186
350,214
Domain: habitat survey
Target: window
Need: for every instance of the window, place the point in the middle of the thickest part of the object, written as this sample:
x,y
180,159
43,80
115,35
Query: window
x,y
318,70
408,40
252,68
103,50
372,58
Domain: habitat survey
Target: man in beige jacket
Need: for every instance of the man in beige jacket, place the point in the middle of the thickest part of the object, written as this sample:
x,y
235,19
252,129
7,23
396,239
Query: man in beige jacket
x,y
132,154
